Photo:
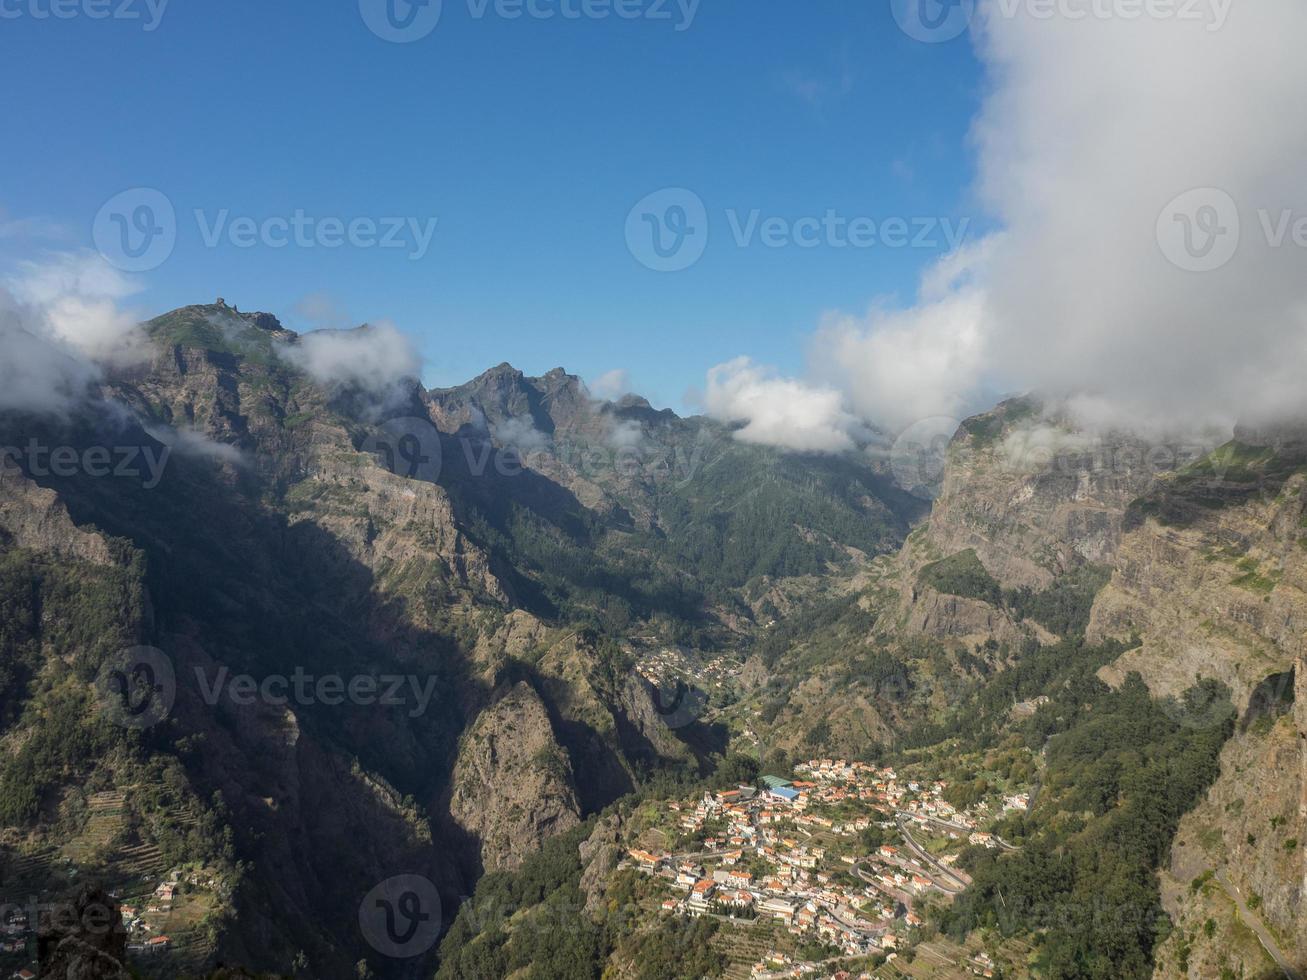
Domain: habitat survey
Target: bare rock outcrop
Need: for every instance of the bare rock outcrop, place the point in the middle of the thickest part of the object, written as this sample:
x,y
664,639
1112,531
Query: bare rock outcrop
x,y
599,855
1224,596
1034,496
37,519
82,938
513,784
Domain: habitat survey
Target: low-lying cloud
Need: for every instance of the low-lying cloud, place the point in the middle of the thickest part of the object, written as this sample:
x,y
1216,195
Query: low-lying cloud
x,y
1090,131
60,323
375,357
777,411
611,385
520,434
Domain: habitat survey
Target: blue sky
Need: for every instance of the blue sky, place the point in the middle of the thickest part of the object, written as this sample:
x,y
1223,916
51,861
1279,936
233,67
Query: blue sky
x,y
529,140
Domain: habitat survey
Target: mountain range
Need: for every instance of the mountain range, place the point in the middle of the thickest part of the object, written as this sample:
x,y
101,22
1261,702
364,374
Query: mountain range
x,y
280,641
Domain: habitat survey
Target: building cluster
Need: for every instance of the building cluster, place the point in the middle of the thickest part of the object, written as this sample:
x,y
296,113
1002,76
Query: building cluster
x,y
670,664
143,935
793,851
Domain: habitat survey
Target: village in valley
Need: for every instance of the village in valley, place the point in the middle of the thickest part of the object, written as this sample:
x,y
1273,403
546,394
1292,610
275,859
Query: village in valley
x,y
844,857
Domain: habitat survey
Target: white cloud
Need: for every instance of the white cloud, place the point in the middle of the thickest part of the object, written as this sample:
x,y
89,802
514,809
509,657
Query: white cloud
x,y
323,311
60,322
1088,130
611,385
193,442
1030,448
900,366
375,357
625,434
75,295
779,411
1081,300
522,435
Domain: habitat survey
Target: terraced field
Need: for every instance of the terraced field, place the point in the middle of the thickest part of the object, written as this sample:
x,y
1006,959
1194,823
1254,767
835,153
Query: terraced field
x,y
105,849
105,824
745,945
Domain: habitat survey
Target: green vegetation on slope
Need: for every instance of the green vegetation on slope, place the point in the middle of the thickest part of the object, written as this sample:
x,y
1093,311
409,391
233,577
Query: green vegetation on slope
x,y
1063,608
1122,768
58,622
1228,476
962,575
534,920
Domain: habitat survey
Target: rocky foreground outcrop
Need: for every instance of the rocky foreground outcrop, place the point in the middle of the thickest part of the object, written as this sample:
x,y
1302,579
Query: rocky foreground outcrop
x,y
35,518
82,937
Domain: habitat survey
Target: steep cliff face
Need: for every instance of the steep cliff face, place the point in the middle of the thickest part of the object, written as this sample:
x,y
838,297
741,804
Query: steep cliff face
x,y
1207,553
513,782
280,539
1035,496
1038,502
36,519
1237,859
1212,576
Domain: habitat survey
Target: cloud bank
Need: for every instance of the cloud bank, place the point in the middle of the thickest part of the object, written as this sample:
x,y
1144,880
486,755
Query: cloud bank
x,y
778,411
60,323
375,357
611,385
1090,130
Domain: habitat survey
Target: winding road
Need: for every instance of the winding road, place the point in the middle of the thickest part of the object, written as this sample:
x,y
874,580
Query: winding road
x,y
926,858
1254,922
